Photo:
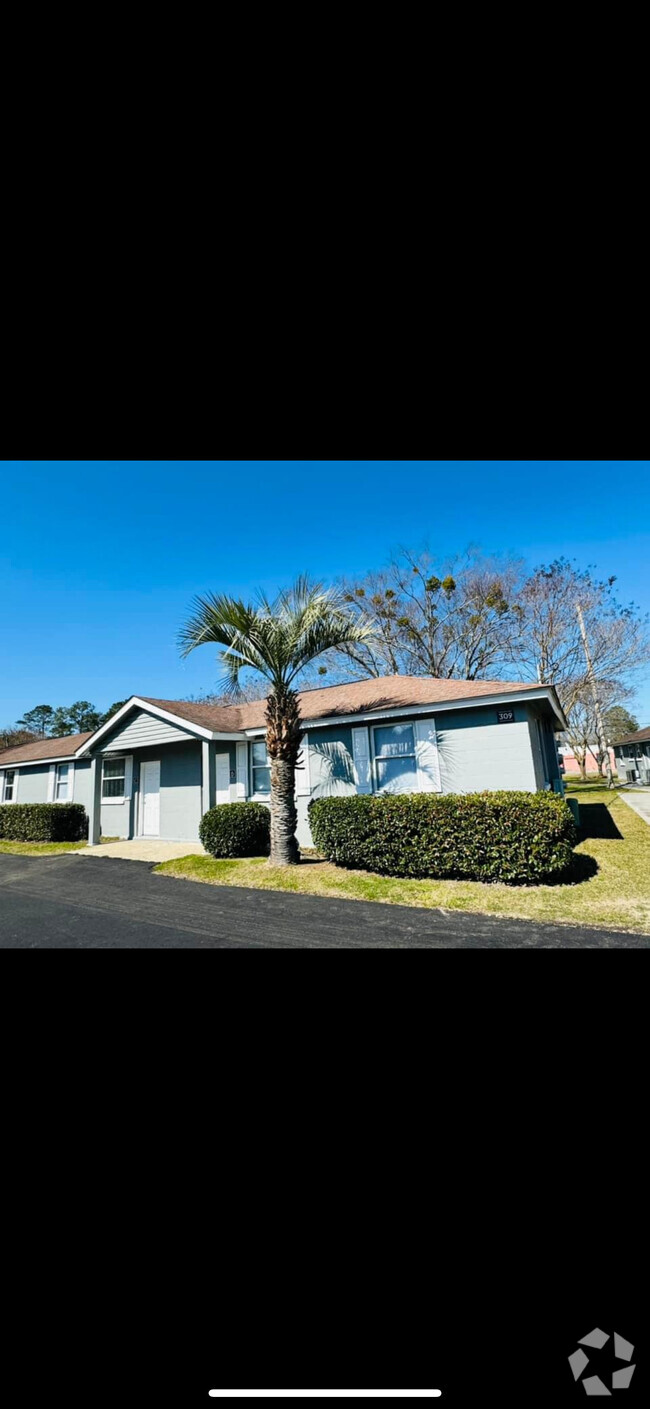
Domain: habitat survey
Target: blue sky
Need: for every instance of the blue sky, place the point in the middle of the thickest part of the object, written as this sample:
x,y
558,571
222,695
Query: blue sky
x,y
99,559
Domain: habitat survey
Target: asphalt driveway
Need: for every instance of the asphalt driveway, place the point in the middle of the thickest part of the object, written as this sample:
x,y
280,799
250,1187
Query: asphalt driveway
x,y
65,902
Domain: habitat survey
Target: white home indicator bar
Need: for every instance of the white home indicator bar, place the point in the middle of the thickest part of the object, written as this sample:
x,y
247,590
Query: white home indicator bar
x,y
325,1393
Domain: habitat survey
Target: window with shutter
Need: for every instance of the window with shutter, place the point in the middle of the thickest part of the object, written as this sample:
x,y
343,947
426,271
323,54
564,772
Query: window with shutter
x,y
361,753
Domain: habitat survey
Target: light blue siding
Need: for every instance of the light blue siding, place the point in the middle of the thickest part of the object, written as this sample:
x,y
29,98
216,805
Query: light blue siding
x,y
142,730
33,783
477,754
180,793
82,783
116,819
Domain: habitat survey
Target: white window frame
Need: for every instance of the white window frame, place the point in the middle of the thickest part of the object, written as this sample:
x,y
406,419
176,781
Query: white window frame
x,y
113,758
381,758
14,786
67,783
262,797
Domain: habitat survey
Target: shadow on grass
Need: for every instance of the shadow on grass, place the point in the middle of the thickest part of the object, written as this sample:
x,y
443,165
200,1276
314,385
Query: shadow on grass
x,y
583,868
597,821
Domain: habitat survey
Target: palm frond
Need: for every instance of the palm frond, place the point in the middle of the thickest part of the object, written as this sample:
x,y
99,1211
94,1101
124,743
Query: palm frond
x,y
277,639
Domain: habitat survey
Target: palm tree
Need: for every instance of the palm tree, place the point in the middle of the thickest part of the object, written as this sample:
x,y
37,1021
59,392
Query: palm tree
x,y
277,639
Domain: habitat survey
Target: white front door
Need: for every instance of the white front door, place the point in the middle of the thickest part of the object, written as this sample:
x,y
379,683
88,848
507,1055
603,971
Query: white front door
x,y
222,761
150,798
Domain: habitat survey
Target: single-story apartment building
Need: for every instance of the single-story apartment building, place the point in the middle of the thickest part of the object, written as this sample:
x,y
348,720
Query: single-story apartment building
x,y
633,757
156,766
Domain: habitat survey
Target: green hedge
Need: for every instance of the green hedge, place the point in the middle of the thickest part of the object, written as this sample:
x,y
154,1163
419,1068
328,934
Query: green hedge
x,y
515,837
236,829
43,821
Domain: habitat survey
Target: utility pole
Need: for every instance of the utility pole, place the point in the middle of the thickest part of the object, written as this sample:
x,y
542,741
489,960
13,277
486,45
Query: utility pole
x,y
602,740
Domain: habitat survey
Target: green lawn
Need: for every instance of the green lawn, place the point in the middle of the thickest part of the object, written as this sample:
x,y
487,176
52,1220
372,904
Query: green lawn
x,y
612,885
45,848
39,848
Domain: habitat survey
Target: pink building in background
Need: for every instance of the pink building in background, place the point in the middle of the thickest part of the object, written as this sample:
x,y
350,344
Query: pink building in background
x,y
571,767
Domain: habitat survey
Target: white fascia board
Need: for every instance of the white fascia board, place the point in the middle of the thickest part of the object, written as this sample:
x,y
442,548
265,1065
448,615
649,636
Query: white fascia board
x,y
171,718
136,703
550,693
399,711
38,762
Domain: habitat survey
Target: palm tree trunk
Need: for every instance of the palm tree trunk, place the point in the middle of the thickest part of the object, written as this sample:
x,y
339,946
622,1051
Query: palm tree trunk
x,y
284,847
283,735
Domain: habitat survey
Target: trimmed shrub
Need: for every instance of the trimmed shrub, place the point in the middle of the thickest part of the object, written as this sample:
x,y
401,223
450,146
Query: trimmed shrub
x,y
521,838
43,821
237,829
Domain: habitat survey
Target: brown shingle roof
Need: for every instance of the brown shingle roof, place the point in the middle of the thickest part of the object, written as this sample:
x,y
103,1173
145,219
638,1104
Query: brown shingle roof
x,y
386,692
44,749
359,696
215,717
642,736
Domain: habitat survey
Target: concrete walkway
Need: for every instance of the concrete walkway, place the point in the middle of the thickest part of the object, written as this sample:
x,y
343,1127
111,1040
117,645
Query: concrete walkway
x,y
142,849
639,800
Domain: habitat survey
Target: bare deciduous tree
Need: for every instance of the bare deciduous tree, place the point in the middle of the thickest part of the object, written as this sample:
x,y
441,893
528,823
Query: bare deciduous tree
x,y
582,734
548,645
249,691
450,619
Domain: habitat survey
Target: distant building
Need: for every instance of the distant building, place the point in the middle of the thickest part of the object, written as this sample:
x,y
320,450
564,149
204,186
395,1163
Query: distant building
x,y
569,763
633,757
